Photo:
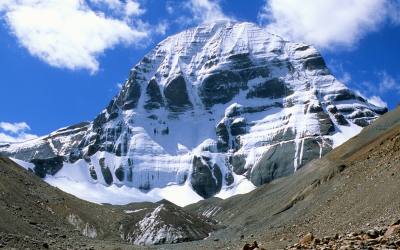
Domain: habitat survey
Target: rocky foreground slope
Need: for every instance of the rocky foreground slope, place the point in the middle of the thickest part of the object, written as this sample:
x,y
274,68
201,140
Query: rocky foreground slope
x,y
37,216
216,110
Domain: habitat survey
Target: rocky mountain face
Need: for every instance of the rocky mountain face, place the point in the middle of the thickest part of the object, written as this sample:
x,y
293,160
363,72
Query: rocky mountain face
x,y
213,108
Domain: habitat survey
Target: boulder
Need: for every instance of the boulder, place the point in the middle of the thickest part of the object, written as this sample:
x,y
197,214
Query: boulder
x,y
307,239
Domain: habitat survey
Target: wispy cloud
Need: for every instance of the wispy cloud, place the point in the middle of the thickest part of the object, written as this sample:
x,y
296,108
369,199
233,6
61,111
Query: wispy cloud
x,y
14,127
15,132
327,23
370,90
377,101
386,84
205,11
72,34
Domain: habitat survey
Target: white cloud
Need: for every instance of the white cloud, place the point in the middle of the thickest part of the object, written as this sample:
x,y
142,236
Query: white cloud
x,y
377,101
132,8
326,23
345,78
14,127
127,8
205,11
15,132
69,34
385,84
112,4
161,28
388,83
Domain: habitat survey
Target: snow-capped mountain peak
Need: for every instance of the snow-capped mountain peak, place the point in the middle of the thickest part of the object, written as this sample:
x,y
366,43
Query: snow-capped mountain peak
x,y
212,111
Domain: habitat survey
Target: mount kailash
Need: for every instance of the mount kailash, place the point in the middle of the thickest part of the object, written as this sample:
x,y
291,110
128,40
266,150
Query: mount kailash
x,y
212,111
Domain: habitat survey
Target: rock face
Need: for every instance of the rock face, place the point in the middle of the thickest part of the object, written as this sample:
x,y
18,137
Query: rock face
x,y
207,107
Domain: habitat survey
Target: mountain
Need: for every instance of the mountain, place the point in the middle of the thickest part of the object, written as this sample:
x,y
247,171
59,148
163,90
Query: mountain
x,y
212,111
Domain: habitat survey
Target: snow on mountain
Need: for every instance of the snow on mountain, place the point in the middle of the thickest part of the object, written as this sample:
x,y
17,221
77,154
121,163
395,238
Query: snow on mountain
x,y
212,111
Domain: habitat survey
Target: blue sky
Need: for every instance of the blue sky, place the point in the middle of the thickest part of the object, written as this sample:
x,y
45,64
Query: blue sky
x,y
61,61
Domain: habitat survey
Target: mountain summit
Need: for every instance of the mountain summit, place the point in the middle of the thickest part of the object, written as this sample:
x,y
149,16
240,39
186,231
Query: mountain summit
x,y
212,111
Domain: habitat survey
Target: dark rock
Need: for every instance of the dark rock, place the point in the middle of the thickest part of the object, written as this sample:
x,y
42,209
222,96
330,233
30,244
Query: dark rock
x,y
239,110
120,173
92,172
105,170
240,61
273,164
238,128
176,95
222,137
112,116
343,95
326,125
47,166
274,88
284,136
130,95
361,122
206,179
312,150
220,87
229,179
313,63
302,48
165,131
238,162
80,125
315,109
247,74
381,111
373,234
332,109
155,99
341,120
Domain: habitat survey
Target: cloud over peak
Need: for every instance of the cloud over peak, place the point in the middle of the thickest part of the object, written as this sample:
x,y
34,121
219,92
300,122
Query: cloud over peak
x,y
15,132
205,11
327,23
70,34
